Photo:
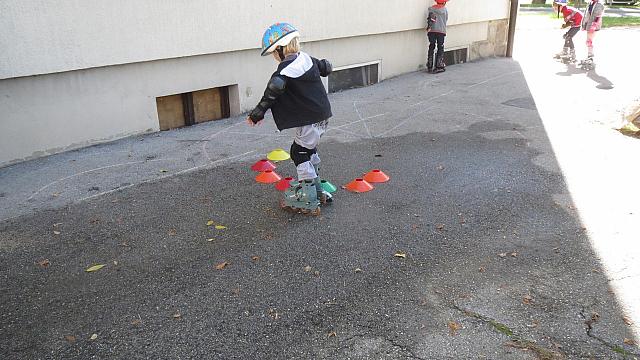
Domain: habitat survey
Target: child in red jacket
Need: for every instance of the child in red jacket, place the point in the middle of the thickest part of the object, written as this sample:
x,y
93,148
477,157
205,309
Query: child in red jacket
x,y
572,20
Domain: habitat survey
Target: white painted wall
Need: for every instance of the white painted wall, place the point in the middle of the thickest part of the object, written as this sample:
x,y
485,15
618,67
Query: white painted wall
x,y
78,72
43,36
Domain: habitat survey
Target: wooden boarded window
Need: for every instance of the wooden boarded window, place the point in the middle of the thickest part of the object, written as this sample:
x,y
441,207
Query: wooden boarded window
x,y
191,108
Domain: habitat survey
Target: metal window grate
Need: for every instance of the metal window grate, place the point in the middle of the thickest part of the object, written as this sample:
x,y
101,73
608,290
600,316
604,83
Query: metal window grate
x,y
354,77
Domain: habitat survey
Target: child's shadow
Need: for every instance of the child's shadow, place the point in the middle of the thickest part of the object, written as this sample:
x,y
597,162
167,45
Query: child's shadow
x,y
603,82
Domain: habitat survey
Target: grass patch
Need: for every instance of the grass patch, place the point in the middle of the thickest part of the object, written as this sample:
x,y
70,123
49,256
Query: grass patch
x,y
501,328
620,21
620,351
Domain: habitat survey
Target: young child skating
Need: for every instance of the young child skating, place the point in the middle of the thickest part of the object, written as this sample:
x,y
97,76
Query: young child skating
x,y
436,31
572,20
591,22
297,99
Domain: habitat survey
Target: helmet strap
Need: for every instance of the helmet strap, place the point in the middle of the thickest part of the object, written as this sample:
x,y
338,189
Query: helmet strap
x,y
280,52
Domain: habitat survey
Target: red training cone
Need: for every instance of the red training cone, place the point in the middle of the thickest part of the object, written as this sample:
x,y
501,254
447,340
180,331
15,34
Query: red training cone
x,y
359,185
376,176
267,177
284,184
263,165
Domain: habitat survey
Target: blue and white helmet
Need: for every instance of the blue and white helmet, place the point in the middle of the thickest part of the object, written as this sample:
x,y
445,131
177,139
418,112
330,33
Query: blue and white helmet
x,y
278,34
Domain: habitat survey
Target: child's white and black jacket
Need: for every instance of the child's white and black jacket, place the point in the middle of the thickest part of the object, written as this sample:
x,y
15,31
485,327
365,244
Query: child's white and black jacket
x,y
295,93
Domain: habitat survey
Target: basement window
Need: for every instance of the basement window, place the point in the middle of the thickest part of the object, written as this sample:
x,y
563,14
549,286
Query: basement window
x,y
175,111
453,57
354,76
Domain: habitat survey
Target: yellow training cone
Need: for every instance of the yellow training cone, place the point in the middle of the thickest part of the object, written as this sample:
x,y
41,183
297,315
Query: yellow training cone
x,y
278,155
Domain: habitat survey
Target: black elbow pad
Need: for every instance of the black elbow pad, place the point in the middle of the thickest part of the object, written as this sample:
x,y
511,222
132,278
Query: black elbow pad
x,y
325,67
275,87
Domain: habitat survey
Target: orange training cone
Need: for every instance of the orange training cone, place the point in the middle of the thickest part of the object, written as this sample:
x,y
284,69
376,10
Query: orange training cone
x,y
267,177
284,184
263,165
359,185
376,176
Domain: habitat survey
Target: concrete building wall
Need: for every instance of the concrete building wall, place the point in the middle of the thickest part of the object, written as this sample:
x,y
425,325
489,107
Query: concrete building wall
x,y
67,81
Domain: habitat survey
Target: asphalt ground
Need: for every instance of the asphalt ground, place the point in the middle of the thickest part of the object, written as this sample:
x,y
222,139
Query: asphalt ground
x,y
498,263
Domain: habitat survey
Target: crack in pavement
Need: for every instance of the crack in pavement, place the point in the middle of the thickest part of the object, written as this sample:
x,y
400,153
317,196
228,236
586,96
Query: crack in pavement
x,y
517,341
403,349
589,328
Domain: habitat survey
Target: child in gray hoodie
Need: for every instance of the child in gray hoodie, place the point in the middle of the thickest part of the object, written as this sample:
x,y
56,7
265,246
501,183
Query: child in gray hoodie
x,y
436,31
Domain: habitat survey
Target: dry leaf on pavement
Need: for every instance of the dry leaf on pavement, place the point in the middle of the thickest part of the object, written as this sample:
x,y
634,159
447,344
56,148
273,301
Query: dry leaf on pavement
x,y
136,322
629,341
70,338
527,299
627,320
400,254
454,327
44,263
172,232
503,255
220,227
210,222
94,336
222,265
177,316
255,258
95,268
307,268
56,232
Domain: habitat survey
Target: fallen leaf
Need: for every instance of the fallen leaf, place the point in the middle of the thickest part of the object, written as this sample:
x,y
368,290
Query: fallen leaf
x,y
400,255
358,270
332,334
629,341
235,291
503,255
136,322
482,269
57,224
273,313
527,299
94,336
56,232
172,232
595,316
55,194
177,316
210,222
307,268
316,273
210,239
514,254
255,258
220,227
95,268
627,321
163,170
44,263
440,227
115,262
70,338
454,327
222,265
440,167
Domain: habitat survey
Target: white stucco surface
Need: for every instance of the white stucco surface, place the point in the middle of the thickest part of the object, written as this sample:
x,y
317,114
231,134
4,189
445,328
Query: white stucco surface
x,y
41,37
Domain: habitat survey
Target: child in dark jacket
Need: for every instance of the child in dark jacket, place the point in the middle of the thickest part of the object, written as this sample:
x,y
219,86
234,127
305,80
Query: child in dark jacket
x,y
436,31
297,99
